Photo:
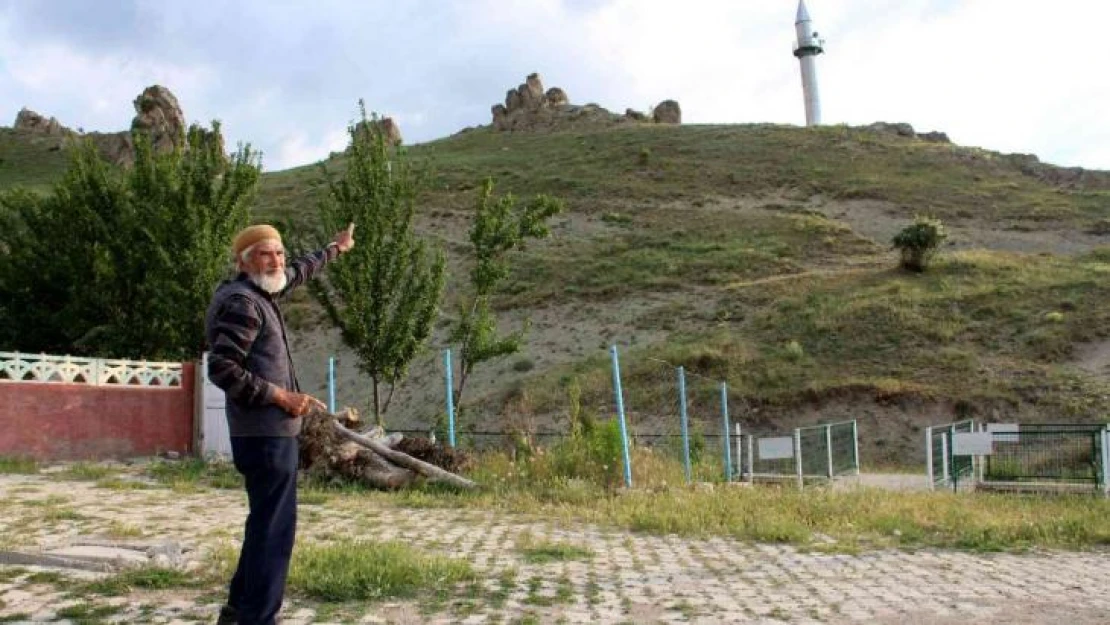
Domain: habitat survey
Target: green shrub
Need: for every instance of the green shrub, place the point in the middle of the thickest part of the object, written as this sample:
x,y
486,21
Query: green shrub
x,y
594,454
919,242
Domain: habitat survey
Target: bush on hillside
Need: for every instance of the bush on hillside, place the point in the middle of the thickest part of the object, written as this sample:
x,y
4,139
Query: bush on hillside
x,y
919,242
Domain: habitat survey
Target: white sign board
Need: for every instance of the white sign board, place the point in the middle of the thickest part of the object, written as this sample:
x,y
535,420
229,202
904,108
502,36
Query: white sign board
x,y
971,444
776,448
1004,432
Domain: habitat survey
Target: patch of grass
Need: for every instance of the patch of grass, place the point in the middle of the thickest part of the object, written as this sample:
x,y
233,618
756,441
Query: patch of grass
x,y
45,577
116,483
543,552
88,613
506,582
676,250
14,465
119,529
147,578
189,474
364,571
49,500
313,498
9,574
18,617
85,471
30,160
534,597
59,513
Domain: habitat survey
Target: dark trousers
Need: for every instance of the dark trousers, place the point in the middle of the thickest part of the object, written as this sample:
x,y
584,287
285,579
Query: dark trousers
x,y
269,465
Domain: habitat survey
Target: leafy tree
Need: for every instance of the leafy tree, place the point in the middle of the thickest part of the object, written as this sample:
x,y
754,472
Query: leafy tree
x,y
919,242
385,294
123,262
500,226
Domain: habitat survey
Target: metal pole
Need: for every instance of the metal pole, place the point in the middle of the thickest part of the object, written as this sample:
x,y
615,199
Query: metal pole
x,y
951,458
331,384
620,414
450,398
728,443
855,443
929,457
739,451
683,420
751,458
798,457
828,450
1106,460
944,456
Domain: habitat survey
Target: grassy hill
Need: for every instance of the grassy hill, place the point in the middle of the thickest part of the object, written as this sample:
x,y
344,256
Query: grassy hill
x,y
758,255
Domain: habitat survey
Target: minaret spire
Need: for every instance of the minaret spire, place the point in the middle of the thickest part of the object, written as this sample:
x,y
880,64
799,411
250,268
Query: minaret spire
x,y
807,47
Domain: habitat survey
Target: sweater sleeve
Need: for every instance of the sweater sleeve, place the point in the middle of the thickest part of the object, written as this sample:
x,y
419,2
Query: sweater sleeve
x,y
306,267
237,324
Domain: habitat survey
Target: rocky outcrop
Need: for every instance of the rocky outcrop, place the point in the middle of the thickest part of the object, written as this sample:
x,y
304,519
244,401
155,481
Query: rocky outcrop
x,y
934,136
903,129
30,121
529,107
386,126
158,115
1066,177
667,112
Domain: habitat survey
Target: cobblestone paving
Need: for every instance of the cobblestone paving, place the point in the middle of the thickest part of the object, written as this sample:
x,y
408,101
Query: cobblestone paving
x,y
630,578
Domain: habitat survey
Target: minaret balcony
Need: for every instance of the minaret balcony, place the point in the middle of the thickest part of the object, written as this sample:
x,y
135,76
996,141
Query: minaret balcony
x,y
809,48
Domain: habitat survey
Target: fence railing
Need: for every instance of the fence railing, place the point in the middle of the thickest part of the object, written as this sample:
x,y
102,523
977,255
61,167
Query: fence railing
x,y
1044,452
823,451
942,466
1027,454
16,367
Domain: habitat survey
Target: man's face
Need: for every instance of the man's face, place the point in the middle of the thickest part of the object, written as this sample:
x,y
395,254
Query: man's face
x,y
266,266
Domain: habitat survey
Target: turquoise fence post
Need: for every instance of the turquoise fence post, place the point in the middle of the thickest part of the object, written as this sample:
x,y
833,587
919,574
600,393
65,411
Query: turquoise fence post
x,y
450,398
728,442
331,384
684,421
620,415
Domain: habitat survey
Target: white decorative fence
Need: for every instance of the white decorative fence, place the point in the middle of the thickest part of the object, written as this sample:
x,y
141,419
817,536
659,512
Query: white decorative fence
x,y
18,367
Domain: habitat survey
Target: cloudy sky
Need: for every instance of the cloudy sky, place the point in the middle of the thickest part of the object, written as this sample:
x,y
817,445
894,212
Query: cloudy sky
x,y
286,75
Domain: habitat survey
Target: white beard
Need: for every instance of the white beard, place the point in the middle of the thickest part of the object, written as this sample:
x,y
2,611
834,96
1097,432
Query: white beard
x,y
271,283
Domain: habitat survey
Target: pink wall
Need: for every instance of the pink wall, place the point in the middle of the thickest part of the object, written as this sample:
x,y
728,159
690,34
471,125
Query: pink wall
x,y
52,421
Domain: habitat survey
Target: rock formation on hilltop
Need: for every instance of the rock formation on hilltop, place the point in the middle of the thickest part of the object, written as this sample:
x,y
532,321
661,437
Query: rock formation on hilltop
x,y
157,113
902,129
385,125
529,107
31,121
667,112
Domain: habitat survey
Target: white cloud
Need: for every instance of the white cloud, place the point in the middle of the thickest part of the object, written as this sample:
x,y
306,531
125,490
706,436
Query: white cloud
x,y
93,91
298,148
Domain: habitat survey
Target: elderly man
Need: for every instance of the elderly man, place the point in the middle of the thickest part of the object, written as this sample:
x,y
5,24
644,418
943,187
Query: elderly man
x,y
250,361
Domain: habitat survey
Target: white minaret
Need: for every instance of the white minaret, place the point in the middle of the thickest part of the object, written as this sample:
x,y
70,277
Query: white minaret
x,y
806,49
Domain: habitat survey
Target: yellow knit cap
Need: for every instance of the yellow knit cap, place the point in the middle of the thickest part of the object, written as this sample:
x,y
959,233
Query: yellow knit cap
x,y
251,235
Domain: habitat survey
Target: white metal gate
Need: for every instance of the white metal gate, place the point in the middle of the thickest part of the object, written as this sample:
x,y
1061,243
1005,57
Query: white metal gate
x,y
213,435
